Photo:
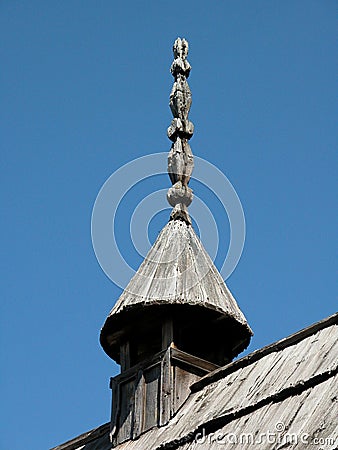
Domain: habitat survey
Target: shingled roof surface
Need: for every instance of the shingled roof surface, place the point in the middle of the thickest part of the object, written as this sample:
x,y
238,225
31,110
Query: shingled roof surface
x,y
177,272
281,396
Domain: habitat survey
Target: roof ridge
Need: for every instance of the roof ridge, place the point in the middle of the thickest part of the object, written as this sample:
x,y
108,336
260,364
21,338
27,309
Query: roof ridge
x,y
84,438
260,353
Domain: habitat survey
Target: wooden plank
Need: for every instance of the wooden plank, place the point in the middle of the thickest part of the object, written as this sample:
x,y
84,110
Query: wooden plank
x,y
115,388
183,379
194,361
131,373
127,395
139,405
151,398
165,389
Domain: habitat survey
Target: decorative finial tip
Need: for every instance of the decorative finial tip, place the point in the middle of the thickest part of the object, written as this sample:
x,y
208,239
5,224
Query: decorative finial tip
x,y
180,65
180,158
181,48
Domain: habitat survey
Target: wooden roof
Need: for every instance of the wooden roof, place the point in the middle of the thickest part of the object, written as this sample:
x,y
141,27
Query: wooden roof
x,y
288,388
177,271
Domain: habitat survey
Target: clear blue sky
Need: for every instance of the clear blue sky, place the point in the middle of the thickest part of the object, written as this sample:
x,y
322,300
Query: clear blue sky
x,y
84,89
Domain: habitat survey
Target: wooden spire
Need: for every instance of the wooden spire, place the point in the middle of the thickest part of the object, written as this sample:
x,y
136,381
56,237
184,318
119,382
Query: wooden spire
x,y
177,279
180,159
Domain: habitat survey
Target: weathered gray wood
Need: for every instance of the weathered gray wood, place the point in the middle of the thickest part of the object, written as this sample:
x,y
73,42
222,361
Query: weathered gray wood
x,y
97,438
301,420
252,397
178,271
130,374
115,388
183,379
139,405
165,389
272,348
171,248
151,403
303,365
310,415
158,389
127,394
193,361
180,159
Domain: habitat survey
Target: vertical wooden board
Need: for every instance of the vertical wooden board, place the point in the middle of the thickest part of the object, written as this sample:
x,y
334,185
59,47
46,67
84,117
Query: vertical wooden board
x,y
165,388
115,406
182,382
151,380
127,392
139,405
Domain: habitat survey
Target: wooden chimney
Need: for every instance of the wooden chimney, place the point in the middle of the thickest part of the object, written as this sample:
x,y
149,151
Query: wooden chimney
x,y
176,320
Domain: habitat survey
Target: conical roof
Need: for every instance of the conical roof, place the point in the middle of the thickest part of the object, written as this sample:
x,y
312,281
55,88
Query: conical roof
x,y
177,272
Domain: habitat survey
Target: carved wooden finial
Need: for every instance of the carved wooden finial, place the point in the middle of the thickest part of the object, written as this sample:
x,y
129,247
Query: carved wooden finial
x,y
180,159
